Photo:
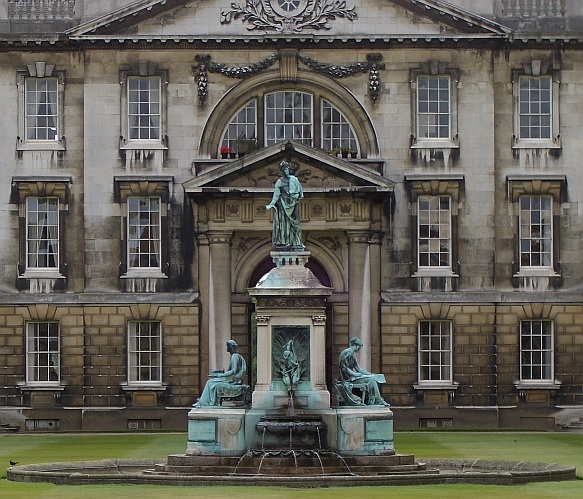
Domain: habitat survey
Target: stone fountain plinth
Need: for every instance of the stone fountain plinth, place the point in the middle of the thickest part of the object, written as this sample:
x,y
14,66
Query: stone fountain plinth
x,y
290,404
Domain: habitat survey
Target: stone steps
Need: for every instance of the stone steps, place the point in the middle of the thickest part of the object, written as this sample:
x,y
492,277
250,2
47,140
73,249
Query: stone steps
x,y
290,463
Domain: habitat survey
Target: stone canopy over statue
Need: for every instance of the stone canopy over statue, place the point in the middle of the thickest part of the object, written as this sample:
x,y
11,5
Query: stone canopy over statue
x,y
287,234
225,384
352,376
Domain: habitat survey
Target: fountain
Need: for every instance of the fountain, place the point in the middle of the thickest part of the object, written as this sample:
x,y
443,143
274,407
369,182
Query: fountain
x,y
289,433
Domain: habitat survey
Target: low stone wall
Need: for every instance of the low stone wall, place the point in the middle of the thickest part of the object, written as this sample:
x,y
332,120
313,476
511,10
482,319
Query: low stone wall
x,y
129,471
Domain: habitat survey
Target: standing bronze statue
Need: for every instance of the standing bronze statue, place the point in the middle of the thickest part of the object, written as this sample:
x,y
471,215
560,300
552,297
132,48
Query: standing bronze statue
x,y
287,234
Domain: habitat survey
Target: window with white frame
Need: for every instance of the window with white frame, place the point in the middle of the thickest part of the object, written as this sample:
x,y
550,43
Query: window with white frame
x,y
536,105
434,232
536,231
536,351
143,233
144,352
434,127
144,108
336,130
291,115
435,352
433,107
42,233
41,107
288,115
42,353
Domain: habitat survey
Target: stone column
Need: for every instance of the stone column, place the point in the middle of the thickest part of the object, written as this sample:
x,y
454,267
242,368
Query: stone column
x,y
219,297
359,298
318,352
375,294
203,282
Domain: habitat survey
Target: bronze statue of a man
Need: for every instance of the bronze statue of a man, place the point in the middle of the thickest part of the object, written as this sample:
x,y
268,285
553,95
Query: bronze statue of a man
x,y
287,234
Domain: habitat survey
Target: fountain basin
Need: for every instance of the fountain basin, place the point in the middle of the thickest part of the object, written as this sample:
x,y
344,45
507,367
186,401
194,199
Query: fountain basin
x,y
439,471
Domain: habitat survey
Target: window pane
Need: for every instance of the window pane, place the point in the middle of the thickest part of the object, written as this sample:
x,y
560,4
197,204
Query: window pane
x,y
144,352
433,107
434,351
291,117
536,231
536,356
144,108
42,232
336,131
41,109
534,107
434,231
42,352
143,232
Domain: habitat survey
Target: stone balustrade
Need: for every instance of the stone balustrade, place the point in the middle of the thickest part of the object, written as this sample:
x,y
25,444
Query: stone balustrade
x,y
514,9
41,9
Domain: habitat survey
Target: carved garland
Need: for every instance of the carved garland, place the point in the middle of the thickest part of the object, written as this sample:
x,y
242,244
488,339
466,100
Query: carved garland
x,y
373,65
287,16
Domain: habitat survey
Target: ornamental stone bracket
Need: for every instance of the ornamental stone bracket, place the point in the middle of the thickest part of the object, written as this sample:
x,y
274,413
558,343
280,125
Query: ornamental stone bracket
x,y
288,16
288,62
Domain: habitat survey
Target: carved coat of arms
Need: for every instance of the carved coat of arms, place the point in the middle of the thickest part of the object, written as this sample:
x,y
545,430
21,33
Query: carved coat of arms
x,y
288,16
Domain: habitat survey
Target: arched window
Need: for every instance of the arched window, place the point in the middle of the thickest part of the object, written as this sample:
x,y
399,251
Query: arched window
x,y
285,115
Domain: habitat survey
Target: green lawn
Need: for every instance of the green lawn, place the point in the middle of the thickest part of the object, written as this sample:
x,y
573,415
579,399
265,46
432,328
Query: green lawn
x,y
546,447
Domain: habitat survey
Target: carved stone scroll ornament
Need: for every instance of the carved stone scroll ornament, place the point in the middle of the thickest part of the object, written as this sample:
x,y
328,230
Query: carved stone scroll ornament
x,y
288,16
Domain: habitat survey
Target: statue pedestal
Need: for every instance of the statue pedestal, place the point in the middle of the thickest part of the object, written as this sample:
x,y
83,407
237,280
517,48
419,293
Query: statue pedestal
x,y
218,431
364,430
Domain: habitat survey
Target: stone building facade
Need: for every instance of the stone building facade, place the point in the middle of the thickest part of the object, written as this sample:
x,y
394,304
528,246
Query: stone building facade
x,y
438,145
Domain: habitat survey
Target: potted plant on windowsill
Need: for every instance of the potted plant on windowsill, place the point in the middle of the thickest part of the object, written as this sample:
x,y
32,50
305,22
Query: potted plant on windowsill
x,y
335,151
245,146
225,150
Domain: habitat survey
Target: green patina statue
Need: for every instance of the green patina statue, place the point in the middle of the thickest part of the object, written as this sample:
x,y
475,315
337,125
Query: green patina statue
x,y
287,234
225,384
352,376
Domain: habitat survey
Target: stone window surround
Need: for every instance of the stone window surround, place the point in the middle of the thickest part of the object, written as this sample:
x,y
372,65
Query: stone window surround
x,y
427,148
537,185
144,69
435,185
40,69
127,186
536,68
41,186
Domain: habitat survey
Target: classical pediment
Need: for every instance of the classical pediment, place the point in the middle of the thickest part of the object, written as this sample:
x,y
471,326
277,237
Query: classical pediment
x,y
257,172
214,20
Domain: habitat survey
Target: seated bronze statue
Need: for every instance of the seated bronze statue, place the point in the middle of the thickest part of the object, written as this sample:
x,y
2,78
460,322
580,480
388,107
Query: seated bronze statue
x,y
352,378
226,384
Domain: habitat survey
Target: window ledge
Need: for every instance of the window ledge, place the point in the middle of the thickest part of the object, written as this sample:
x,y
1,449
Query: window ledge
x,y
436,386
41,274
49,145
437,272
537,144
435,144
536,272
141,145
31,387
134,387
144,274
537,385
